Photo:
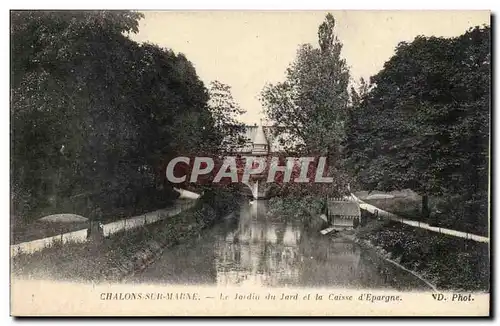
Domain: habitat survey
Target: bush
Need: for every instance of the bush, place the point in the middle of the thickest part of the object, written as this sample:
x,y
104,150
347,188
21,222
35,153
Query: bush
x,y
450,262
216,203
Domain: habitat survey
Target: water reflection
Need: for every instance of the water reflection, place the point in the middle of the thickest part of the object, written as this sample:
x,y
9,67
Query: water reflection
x,y
258,250
281,253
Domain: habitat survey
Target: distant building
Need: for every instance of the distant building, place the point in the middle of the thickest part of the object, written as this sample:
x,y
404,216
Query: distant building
x,y
271,136
260,142
343,214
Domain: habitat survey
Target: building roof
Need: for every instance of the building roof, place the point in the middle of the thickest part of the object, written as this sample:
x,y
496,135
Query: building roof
x,y
260,137
346,208
274,136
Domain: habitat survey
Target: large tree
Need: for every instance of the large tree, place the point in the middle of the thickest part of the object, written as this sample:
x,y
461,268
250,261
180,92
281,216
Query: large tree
x,y
69,75
310,105
226,113
173,118
94,112
424,124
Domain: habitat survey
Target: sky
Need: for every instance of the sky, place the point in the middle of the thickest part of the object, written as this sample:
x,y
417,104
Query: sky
x,y
247,49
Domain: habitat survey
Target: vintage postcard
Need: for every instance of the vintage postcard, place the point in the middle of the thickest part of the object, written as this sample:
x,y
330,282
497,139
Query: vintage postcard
x,y
250,163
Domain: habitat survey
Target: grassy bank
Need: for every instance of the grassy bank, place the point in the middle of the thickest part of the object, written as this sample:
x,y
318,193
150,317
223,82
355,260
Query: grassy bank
x,y
124,252
456,213
113,206
448,262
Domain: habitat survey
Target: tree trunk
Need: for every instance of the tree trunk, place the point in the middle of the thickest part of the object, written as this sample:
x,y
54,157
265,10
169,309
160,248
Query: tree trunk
x,y
425,206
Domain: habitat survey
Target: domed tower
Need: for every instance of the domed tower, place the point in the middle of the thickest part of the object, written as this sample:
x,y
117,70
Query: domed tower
x,y
260,144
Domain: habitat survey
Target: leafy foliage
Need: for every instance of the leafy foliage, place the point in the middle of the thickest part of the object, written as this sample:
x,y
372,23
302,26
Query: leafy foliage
x,y
96,115
226,111
310,106
311,103
424,122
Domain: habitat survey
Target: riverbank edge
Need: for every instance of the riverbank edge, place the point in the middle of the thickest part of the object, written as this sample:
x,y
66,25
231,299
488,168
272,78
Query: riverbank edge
x,y
372,226
381,252
151,250
109,261
437,277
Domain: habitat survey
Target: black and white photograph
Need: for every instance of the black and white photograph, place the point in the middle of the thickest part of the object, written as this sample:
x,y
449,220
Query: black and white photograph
x,y
250,163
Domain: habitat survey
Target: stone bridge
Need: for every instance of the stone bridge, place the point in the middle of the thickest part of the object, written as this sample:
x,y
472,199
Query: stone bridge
x,y
261,142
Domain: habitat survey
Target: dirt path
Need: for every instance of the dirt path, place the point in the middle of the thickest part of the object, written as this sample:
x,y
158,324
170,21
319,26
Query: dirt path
x,y
418,224
108,229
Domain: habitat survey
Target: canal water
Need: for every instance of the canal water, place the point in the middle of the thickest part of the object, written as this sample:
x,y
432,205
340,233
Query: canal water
x,y
254,249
